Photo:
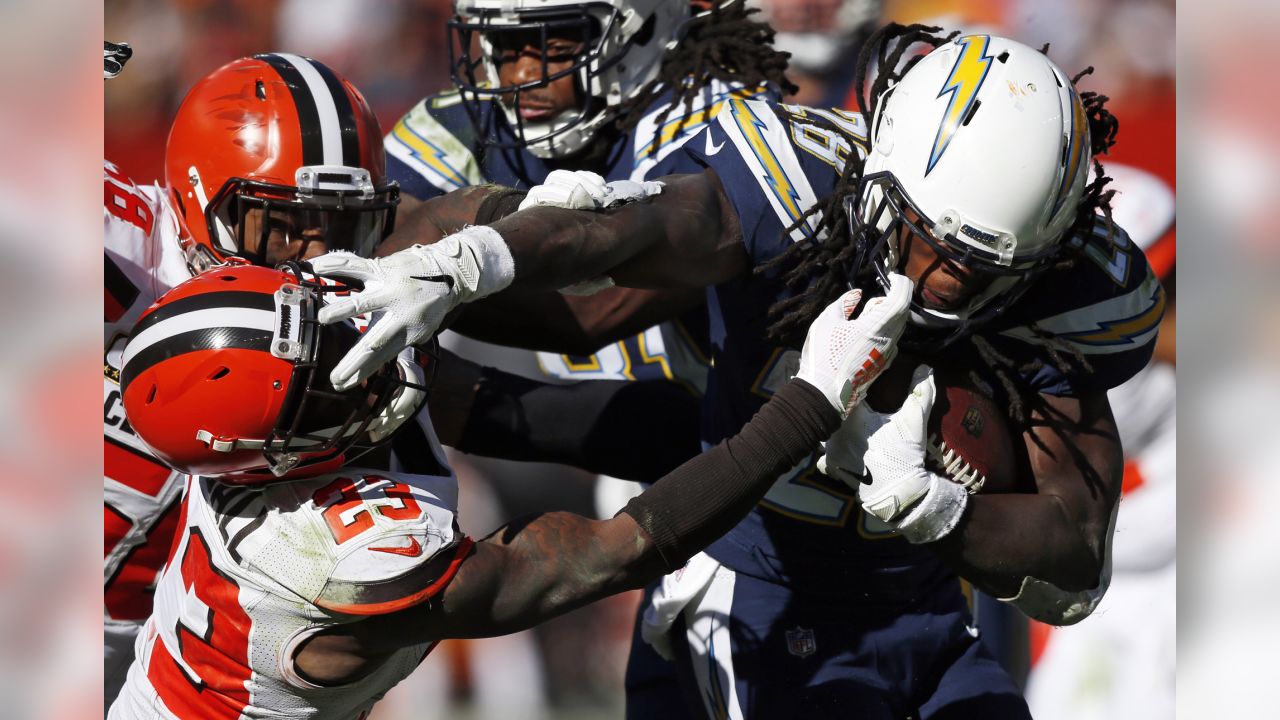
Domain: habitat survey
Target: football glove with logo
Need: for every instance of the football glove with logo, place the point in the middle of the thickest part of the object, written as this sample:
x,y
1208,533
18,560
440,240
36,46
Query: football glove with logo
x,y
923,506
843,355
585,190
410,293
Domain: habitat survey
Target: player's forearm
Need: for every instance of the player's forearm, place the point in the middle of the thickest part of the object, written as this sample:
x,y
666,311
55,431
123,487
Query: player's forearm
x,y
678,516
540,567
684,237
1004,538
427,222
705,497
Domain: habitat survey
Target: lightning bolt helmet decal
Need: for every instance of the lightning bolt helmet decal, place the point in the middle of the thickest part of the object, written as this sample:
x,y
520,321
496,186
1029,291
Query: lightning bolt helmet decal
x,y
964,82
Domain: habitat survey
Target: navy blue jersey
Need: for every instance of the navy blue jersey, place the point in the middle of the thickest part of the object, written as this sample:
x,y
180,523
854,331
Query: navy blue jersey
x,y
438,147
774,162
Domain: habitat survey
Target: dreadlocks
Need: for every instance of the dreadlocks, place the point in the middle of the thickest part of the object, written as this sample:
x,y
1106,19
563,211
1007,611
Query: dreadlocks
x,y
723,44
818,270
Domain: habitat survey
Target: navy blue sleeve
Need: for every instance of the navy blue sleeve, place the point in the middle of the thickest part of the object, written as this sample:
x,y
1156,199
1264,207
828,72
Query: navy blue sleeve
x,y
1100,315
775,162
429,150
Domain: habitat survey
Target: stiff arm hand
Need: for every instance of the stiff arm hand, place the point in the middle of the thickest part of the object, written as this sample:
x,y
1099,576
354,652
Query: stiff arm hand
x,y
843,355
410,292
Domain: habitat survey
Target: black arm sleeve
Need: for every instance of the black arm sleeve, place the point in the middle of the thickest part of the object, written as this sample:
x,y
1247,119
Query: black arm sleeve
x,y
705,497
630,430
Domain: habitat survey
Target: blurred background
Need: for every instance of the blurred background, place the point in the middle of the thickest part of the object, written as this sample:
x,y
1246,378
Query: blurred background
x,y
394,50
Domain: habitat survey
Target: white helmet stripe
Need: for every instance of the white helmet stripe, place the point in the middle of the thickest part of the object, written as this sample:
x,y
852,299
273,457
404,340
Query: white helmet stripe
x,y
229,317
326,108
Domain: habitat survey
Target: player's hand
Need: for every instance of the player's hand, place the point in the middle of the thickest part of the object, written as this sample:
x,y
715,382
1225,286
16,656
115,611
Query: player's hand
x,y
896,451
844,451
843,355
920,504
585,190
409,293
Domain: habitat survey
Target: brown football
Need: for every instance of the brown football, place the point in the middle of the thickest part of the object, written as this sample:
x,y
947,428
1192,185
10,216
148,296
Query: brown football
x,y
969,434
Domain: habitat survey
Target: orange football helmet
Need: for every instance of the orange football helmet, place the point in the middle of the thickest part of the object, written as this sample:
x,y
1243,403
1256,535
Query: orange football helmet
x,y
227,375
272,152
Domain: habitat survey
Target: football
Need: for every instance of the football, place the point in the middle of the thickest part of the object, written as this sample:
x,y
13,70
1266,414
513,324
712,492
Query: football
x,y
970,440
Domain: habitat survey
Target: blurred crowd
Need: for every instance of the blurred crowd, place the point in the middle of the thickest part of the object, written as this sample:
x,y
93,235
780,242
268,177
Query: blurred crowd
x,y
396,52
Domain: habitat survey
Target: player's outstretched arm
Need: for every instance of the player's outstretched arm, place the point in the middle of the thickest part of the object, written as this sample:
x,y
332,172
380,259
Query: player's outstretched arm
x,y
540,567
687,236
539,320
536,569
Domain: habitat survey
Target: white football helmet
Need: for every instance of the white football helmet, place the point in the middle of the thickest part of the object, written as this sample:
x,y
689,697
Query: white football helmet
x,y
985,142
626,43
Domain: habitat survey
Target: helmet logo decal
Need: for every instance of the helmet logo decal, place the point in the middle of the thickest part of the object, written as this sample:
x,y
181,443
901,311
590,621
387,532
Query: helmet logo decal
x,y
1074,150
966,78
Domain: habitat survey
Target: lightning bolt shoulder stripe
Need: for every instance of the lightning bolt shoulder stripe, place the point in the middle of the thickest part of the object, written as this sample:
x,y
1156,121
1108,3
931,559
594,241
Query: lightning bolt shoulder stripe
x,y
423,143
1114,325
763,142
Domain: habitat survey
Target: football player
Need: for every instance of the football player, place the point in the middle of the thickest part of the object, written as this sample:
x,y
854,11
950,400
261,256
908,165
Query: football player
x,y
968,173
301,587
611,87
299,171
614,88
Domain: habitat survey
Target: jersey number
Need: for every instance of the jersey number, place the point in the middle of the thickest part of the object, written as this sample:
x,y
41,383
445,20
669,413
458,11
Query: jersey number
x,y
635,358
350,506
809,496
213,643
128,206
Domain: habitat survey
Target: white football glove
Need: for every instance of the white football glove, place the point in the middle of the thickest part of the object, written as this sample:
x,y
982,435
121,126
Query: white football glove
x,y
585,190
842,355
923,506
410,292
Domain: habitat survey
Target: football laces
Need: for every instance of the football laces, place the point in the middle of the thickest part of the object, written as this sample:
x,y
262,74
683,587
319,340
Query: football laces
x,y
955,467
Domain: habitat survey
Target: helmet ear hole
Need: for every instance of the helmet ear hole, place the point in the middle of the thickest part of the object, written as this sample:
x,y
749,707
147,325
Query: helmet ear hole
x,y
151,396
645,33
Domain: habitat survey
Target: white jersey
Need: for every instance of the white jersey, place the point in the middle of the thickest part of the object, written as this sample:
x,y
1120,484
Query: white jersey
x,y
258,571
140,495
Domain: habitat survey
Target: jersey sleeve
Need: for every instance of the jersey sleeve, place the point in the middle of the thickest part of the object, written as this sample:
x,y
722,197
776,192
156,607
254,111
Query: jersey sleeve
x,y
430,149
1089,327
775,162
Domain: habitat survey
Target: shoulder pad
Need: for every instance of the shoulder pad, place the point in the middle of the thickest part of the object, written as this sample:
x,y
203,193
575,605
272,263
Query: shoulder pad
x,y
434,141
652,142
1104,307
1108,301
361,542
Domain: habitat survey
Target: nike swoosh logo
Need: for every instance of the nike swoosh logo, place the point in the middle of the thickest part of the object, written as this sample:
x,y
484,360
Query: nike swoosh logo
x,y
712,149
413,549
435,278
